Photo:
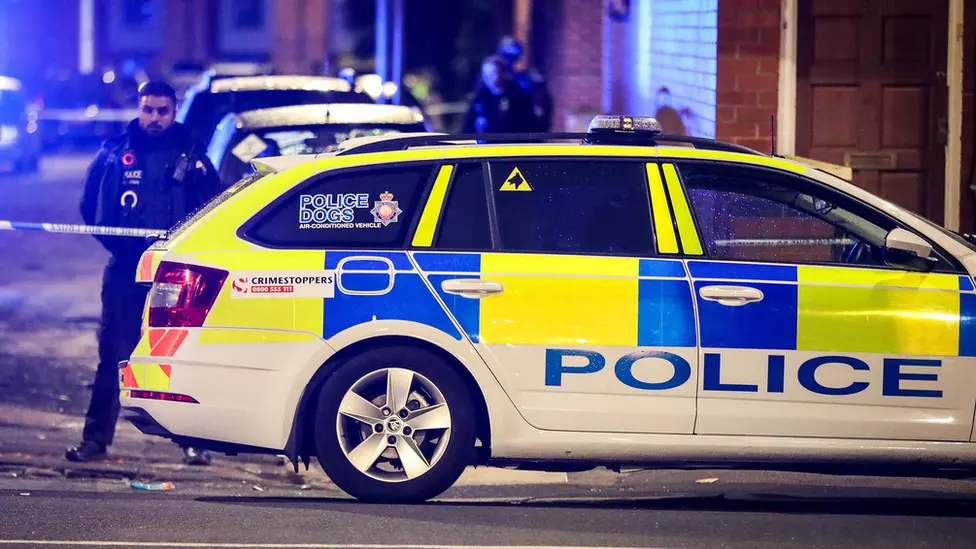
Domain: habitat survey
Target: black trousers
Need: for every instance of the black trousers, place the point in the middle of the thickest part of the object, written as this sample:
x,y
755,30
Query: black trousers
x,y
118,334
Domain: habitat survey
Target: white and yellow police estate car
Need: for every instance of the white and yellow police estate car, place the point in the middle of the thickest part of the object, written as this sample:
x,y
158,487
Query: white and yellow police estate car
x,y
410,305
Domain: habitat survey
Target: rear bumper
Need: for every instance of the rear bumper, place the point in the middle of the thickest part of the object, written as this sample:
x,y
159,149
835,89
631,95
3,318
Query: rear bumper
x,y
147,425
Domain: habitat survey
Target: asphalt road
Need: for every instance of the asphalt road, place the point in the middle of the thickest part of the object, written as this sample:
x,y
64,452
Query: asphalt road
x,y
731,517
48,304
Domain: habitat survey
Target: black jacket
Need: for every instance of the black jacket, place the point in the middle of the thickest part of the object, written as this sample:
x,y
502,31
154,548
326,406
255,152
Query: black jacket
x,y
510,112
139,181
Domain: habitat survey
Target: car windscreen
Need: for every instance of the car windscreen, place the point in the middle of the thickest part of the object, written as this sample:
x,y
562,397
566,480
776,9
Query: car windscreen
x,y
208,109
294,140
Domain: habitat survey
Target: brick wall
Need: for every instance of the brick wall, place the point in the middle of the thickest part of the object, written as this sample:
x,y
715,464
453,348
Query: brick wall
x,y
748,71
573,63
680,50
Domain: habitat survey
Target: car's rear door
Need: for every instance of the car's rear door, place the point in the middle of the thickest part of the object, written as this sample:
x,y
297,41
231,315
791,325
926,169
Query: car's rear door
x,y
550,267
806,330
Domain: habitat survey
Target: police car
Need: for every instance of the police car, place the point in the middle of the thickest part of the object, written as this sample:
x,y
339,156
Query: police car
x,y
410,305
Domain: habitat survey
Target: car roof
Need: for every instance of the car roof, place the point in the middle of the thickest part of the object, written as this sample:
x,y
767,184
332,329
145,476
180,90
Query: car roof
x,y
9,84
329,113
279,82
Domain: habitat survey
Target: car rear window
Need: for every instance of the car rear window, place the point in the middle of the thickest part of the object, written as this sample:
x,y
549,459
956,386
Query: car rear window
x,y
361,208
208,109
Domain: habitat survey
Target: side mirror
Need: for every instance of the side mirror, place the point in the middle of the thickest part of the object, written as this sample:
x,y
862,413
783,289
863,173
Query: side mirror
x,y
905,249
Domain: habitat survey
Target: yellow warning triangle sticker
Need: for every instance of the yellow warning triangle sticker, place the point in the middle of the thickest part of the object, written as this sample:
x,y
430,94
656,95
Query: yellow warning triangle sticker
x,y
515,182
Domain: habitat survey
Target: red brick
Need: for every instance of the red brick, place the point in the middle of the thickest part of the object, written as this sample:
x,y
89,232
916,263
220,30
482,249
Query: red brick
x,y
727,19
768,66
769,99
758,19
754,115
725,113
761,145
766,50
757,82
725,81
733,35
735,130
737,99
738,66
769,36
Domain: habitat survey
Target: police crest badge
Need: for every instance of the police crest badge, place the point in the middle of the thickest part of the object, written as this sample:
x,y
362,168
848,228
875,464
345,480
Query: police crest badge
x,y
386,210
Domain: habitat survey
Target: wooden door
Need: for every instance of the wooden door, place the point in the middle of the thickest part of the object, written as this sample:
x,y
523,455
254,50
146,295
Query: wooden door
x,y
871,94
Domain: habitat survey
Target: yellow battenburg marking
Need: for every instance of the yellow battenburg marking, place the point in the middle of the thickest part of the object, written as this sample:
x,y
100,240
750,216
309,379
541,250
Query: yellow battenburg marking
x,y
578,151
682,213
667,241
285,313
516,182
687,152
877,277
156,378
560,309
875,311
216,337
424,237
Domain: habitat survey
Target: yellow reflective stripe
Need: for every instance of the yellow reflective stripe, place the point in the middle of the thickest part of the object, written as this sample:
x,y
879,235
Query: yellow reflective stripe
x,y
558,265
424,237
682,213
156,378
667,241
215,336
877,278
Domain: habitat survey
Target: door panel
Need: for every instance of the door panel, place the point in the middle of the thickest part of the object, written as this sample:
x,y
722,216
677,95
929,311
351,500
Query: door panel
x,y
581,342
837,352
871,92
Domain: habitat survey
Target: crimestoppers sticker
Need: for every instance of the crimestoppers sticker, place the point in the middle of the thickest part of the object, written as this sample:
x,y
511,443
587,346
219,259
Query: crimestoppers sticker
x,y
282,284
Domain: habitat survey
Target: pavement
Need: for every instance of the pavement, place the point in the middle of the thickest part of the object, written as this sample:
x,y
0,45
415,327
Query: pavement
x,y
49,306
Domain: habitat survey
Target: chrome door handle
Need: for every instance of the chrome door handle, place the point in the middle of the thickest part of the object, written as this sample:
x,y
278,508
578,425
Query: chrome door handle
x,y
471,287
731,296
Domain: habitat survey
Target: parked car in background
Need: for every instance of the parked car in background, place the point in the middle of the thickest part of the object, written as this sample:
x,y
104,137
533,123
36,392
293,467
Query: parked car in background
x,y
206,104
301,129
20,144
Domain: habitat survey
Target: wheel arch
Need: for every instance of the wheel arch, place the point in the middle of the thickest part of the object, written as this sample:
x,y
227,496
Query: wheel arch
x,y
301,439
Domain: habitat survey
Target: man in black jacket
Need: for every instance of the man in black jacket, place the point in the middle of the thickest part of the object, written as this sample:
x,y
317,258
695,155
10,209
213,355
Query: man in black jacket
x,y
499,104
151,177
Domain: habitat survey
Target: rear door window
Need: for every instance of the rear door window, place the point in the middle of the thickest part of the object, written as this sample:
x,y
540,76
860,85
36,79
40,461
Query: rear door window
x,y
573,206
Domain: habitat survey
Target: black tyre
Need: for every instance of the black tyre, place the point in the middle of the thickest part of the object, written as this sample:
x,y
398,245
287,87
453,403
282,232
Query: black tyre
x,y
395,425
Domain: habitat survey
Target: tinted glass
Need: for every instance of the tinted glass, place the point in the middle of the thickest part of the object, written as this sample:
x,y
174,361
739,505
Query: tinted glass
x,y
750,214
207,109
573,206
362,208
297,140
464,222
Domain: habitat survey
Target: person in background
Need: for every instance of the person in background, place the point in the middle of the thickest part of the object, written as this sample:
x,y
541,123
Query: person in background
x,y
499,104
531,81
151,177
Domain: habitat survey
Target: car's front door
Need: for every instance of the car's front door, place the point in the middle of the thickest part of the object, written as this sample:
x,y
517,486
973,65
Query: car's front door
x,y
560,292
807,330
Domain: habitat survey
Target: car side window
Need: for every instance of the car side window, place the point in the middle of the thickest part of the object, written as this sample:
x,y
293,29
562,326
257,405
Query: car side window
x,y
573,206
753,214
465,224
361,208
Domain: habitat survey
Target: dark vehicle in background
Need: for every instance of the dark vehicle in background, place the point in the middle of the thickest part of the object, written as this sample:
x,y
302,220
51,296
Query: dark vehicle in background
x,y
206,104
20,144
301,129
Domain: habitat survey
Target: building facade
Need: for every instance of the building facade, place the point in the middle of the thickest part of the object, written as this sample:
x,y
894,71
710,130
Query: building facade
x,y
885,88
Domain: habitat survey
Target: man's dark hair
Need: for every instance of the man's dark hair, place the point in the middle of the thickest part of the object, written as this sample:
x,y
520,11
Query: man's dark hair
x,y
157,88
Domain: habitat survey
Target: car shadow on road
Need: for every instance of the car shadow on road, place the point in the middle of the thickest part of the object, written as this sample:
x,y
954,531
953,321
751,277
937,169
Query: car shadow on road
x,y
921,504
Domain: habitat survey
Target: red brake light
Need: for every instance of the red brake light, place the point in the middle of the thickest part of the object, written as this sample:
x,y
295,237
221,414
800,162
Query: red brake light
x,y
156,395
182,294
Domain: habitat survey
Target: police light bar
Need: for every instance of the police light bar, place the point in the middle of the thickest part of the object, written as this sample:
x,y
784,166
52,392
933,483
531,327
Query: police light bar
x,y
624,124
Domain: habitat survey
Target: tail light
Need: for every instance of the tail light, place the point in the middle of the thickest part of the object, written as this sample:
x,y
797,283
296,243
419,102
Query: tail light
x,y
182,294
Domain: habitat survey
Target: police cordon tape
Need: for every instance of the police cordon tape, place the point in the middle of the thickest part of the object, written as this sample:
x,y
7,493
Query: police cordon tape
x,y
79,229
